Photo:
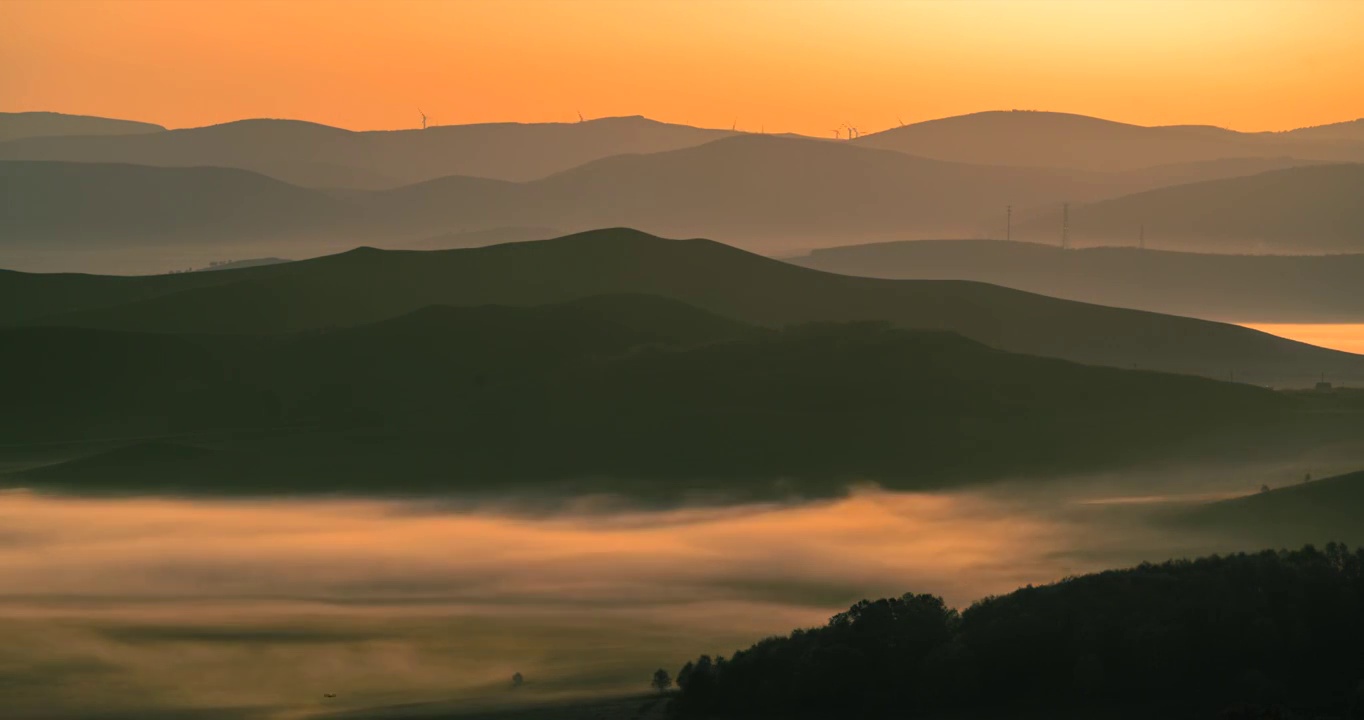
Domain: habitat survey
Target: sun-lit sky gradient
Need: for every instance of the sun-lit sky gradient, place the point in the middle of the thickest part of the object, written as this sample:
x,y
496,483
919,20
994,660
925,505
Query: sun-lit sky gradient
x,y
802,66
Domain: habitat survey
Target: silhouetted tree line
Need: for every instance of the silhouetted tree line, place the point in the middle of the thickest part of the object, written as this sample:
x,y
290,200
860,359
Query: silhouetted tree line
x,y
1274,634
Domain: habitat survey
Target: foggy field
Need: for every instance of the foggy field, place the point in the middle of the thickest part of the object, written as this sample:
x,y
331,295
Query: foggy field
x,y
258,608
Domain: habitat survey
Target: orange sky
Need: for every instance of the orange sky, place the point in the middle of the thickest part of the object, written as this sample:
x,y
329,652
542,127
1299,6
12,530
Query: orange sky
x,y
799,65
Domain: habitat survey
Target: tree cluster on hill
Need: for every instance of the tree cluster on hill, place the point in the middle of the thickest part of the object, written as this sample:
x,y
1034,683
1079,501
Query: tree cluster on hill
x,y
1273,634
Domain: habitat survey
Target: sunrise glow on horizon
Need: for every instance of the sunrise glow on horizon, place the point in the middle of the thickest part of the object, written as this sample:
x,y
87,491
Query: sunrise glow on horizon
x,y
800,67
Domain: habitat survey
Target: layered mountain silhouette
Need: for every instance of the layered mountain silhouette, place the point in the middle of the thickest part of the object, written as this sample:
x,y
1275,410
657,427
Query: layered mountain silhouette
x,y
369,285
1303,209
627,389
314,155
1230,288
71,204
760,191
17,125
1063,140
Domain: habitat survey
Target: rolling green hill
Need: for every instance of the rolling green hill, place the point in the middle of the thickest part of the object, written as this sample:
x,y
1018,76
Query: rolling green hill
x,y
368,285
621,392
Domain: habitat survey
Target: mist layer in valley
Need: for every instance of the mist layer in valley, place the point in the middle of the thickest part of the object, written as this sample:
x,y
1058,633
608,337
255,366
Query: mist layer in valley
x,y
260,608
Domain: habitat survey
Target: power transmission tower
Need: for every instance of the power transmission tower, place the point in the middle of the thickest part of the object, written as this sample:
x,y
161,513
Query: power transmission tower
x,y
1009,224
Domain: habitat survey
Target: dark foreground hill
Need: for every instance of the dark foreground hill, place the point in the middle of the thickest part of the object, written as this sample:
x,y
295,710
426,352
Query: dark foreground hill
x,y
1295,210
1270,635
367,285
1230,288
14,126
625,390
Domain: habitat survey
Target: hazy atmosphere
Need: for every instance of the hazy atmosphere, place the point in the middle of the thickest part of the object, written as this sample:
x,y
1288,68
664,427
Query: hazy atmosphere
x,y
608,360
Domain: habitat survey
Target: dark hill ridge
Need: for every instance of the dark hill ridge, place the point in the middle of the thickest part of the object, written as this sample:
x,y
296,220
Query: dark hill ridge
x,y
1316,511
32,295
1295,210
368,285
314,155
633,389
1064,140
1229,288
17,125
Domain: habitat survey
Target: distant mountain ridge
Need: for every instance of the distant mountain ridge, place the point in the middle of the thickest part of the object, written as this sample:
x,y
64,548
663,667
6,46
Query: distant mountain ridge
x,y
759,191
314,155
1052,139
18,125
1228,288
1293,210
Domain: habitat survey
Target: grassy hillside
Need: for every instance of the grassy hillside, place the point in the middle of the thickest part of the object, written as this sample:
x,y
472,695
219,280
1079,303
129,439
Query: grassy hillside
x,y
16,125
1232,288
368,285
614,388
1297,210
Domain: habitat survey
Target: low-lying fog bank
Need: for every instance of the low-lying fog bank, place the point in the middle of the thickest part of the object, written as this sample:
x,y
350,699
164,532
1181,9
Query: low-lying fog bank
x,y
261,608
